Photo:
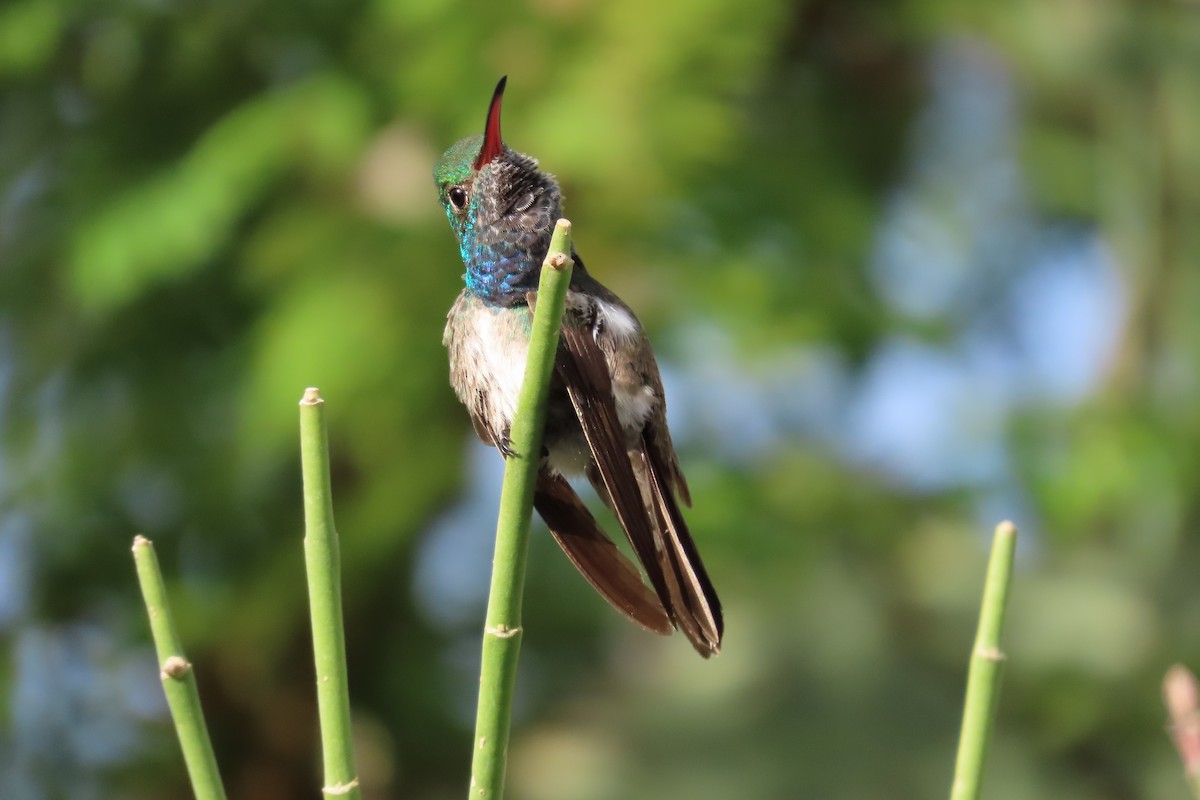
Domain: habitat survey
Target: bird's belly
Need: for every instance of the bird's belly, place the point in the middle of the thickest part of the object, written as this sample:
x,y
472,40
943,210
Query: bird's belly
x,y
488,348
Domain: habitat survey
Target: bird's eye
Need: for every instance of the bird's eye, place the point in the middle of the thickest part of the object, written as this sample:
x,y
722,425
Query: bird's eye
x,y
458,198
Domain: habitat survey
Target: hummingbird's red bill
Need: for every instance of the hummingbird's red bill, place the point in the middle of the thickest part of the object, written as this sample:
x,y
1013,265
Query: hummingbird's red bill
x,y
493,142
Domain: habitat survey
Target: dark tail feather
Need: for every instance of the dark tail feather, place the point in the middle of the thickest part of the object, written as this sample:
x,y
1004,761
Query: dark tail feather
x,y
697,608
608,571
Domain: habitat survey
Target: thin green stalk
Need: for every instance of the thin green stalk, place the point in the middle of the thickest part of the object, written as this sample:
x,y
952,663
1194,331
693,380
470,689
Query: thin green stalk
x,y
179,681
322,563
987,665
502,631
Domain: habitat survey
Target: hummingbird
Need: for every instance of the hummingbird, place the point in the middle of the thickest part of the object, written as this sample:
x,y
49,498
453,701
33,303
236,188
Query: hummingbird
x,y
606,415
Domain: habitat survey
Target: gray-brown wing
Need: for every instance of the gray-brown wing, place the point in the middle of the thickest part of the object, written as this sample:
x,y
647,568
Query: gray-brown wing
x,y
659,537
584,372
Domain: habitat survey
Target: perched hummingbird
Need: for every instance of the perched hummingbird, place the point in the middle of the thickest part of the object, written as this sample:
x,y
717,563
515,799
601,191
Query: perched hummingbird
x,y
606,417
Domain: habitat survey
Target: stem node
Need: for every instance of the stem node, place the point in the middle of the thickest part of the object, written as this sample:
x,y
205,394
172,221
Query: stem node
x,y
178,678
986,668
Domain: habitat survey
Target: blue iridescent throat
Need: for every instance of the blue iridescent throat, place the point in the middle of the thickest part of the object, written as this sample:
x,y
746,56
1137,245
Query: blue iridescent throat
x,y
499,273
502,281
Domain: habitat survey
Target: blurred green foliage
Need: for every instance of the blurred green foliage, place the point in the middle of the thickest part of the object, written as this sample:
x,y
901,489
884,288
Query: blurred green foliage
x,y
207,207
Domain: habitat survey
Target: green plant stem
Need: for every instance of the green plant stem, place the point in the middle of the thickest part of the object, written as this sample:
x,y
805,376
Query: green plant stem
x,y
179,681
322,563
502,630
986,668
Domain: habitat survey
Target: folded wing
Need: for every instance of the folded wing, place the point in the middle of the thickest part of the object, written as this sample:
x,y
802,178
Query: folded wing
x,y
646,508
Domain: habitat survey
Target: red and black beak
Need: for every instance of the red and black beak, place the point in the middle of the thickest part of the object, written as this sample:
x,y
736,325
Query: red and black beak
x,y
493,143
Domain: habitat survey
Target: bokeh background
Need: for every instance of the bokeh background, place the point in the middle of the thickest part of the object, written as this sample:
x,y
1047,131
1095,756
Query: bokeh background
x,y
911,268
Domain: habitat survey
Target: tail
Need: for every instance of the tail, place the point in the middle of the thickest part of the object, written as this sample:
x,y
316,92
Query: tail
x,y
694,604
608,571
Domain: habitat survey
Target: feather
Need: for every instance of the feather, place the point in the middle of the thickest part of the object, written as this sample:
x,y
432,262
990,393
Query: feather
x,y
608,571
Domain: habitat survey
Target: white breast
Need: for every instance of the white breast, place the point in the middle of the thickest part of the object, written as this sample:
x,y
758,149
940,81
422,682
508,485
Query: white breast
x,y
501,358
487,358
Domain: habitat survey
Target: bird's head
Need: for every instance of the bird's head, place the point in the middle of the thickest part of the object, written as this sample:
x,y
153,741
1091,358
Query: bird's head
x,y
500,205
